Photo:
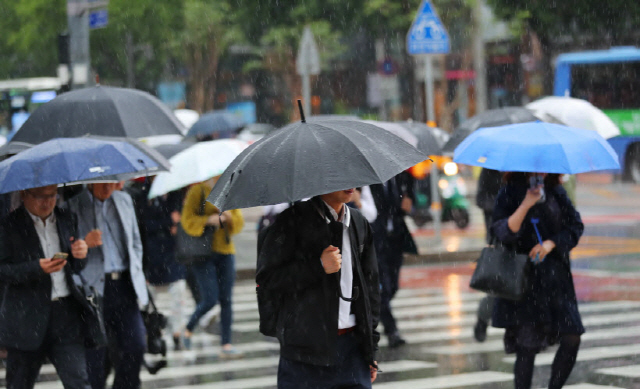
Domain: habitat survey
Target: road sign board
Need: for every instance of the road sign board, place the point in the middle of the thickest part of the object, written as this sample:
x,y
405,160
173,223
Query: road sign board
x,y
427,35
98,19
308,60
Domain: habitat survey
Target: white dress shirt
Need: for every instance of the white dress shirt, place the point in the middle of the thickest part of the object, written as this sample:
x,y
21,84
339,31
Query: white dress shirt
x,y
50,242
345,318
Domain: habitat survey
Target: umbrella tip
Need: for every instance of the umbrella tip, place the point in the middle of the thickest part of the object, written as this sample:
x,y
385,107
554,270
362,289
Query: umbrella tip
x,y
301,111
97,79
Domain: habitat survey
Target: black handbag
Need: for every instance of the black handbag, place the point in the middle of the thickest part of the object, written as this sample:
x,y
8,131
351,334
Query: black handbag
x,y
95,334
154,322
501,272
190,248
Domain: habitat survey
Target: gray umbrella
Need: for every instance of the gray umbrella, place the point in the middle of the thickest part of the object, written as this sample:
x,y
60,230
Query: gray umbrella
x,y
99,110
490,118
307,159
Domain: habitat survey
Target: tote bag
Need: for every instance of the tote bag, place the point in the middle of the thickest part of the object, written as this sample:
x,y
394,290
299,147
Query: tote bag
x,y
501,272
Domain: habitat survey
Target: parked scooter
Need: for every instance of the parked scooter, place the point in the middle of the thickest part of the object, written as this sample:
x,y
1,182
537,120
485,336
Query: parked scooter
x,y
452,190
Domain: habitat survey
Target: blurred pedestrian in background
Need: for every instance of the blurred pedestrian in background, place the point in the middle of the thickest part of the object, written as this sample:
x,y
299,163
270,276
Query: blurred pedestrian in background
x,y
363,201
214,275
157,220
489,184
114,268
40,317
392,239
539,220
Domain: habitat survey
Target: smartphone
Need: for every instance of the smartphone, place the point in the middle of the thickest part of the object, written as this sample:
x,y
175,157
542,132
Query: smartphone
x,y
60,256
535,181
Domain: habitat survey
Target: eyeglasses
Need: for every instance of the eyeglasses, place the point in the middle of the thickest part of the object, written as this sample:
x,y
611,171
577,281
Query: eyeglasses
x,y
43,197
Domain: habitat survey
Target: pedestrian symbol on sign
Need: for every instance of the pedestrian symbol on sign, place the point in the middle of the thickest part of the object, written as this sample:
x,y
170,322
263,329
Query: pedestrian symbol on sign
x,y
427,34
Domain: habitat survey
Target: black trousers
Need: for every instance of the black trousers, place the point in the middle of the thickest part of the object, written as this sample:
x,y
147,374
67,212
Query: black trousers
x,y
63,345
126,334
350,371
389,253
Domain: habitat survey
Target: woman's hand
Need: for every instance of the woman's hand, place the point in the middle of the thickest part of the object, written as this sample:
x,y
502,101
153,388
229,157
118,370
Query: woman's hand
x,y
532,197
214,220
540,251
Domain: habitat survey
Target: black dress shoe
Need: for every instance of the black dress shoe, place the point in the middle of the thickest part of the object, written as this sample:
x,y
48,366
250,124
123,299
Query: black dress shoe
x,y
395,340
480,330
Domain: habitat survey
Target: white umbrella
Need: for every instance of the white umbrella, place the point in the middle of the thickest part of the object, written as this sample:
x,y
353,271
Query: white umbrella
x,y
396,129
575,113
187,117
199,162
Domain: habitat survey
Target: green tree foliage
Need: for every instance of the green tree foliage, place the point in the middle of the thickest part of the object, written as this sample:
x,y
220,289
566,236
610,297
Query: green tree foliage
x,y
29,31
610,19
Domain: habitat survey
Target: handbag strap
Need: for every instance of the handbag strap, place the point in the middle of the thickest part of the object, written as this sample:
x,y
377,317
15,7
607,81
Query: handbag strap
x,y
535,222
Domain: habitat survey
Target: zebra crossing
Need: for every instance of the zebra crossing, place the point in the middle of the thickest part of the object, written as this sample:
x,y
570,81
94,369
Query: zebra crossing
x,y
440,352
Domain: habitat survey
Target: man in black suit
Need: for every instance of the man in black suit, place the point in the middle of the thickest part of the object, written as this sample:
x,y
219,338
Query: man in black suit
x,y
392,238
318,257
39,317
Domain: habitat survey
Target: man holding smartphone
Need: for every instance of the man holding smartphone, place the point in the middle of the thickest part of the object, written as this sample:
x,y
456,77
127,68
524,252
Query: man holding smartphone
x,y
38,252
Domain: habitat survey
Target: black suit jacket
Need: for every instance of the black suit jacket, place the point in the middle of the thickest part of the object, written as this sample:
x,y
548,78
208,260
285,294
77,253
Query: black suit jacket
x,y
388,207
26,303
289,262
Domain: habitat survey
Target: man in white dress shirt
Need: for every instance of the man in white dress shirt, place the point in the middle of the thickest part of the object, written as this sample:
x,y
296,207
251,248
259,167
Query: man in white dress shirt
x,y
39,317
318,257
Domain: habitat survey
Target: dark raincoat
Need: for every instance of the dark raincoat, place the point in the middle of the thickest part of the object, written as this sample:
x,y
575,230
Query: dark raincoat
x,y
550,303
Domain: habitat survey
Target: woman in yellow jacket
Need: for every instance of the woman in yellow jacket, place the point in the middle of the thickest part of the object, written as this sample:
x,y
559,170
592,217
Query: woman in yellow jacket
x,y
214,275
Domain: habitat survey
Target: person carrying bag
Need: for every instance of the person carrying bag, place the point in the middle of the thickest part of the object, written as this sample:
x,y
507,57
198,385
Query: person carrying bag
x,y
534,216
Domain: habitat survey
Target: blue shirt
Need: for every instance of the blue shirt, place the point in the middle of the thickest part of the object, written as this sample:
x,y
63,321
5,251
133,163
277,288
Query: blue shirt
x,y
114,254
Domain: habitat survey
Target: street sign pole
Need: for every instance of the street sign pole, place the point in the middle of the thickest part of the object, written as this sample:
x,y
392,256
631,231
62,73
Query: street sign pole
x,y
427,36
306,93
307,64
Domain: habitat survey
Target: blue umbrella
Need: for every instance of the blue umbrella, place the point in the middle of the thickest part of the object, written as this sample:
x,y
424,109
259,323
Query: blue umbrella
x,y
215,122
537,147
68,160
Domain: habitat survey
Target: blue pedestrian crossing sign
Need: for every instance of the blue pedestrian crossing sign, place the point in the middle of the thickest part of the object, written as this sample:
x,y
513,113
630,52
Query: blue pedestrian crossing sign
x,y
427,35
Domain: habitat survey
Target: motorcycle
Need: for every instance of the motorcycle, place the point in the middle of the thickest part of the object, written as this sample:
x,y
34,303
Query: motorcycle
x,y
452,190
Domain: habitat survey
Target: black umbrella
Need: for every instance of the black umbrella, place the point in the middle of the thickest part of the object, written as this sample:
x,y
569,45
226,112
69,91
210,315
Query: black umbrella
x,y
99,110
307,159
430,140
223,122
169,150
490,118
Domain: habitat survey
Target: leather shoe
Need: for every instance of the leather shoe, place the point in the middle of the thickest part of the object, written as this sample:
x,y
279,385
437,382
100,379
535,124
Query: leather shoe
x,y
395,340
480,330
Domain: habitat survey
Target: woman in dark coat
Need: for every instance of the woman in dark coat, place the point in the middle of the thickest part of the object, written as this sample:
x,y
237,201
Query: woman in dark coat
x,y
548,312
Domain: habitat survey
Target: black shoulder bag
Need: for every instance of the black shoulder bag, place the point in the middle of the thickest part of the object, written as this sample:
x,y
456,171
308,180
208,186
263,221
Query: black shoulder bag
x,y
501,272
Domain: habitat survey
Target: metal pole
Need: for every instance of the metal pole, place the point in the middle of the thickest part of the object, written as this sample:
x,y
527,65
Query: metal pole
x,y
306,94
436,205
479,59
78,24
428,85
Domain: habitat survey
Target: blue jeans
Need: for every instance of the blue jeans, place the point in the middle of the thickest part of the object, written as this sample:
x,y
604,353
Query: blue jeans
x,y
214,277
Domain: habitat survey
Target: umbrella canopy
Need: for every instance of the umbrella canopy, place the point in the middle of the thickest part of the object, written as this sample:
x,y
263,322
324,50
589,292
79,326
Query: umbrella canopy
x,y
13,148
61,161
430,139
197,163
537,147
490,118
307,159
99,110
215,122
576,113
187,117
169,150
397,130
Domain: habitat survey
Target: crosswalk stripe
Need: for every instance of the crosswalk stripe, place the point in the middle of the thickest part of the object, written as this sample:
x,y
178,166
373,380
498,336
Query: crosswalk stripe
x,y
449,381
631,371
588,354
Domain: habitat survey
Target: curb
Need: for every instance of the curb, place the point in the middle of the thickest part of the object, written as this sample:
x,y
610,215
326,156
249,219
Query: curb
x,y
409,260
